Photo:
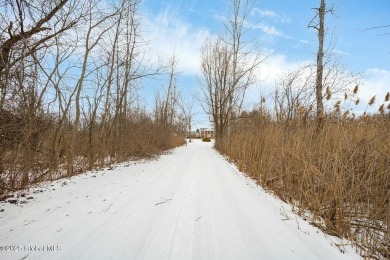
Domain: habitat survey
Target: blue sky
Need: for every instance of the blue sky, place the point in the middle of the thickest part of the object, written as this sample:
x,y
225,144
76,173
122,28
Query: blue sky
x,y
282,29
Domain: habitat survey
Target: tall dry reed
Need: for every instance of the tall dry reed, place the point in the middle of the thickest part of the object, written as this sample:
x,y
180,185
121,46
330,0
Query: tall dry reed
x,y
340,175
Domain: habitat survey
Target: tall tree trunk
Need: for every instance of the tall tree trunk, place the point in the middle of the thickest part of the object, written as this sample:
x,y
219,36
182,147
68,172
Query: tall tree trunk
x,y
320,66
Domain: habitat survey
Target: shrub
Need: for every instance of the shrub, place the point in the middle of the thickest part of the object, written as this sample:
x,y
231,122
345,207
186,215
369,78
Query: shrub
x,y
206,139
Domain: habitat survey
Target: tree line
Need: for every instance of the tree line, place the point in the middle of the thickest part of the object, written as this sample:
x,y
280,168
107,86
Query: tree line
x,y
70,75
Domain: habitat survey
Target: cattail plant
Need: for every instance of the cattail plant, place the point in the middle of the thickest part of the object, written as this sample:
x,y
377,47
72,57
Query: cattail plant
x,y
356,89
357,101
346,113
382,109
339,176
372,101
337,106
328,93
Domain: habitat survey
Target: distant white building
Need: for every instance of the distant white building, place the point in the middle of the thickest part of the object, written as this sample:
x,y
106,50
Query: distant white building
x,y
206,132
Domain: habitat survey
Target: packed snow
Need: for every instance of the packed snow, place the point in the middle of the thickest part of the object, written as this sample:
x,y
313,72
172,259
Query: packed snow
x,y
187,204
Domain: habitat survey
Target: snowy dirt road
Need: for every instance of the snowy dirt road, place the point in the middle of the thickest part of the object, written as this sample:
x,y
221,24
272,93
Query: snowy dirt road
x,y
188,204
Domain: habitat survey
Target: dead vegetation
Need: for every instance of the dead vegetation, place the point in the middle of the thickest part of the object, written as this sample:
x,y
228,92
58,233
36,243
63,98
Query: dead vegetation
x,y
340,175
70,74
27,156
310,149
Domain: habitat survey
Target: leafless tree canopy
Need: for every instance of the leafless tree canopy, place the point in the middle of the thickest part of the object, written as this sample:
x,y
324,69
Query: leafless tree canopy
x,y
70,73
228,67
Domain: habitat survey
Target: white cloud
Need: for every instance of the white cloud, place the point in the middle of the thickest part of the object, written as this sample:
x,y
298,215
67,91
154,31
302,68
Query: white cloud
x,y
267,29
169,33
266,13
268,73
272,31
220,18
336,51
376,82
304,41
275,65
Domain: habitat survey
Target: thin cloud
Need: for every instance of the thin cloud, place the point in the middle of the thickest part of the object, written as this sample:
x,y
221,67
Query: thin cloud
x,y
304,41
375,82
220,18
336,51
266,13
267,29
269,72
169,33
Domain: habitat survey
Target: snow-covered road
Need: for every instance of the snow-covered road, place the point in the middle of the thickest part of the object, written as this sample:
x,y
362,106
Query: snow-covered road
x,y
188,204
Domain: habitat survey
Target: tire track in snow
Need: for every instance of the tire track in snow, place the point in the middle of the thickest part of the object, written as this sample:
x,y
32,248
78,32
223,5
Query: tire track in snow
x,y
209,211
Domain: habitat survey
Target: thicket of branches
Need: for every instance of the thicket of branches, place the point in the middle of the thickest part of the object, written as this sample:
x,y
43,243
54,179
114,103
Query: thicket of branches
x,y
229,65
310,148
70,73
338,178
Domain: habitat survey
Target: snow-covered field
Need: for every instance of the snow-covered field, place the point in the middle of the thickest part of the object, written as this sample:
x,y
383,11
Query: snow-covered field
x,y
188,204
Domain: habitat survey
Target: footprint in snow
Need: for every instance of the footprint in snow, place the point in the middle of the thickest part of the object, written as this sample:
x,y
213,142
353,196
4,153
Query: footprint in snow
x,y
28,223
59,230
108,208
25,257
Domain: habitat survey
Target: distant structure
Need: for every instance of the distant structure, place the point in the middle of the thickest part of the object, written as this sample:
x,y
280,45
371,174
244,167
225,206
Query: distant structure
x,y
202,133
206,132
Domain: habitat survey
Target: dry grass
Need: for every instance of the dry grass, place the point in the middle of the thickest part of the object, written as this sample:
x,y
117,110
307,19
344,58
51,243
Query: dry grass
x,y
340,175
28,157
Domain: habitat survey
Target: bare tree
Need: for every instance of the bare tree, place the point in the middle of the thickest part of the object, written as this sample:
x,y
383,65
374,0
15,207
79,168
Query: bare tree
x,y
235,31
228,67
293,97
186,106
28,35
333,81
29,28
216,95
166,104
69,89
97,27
318,23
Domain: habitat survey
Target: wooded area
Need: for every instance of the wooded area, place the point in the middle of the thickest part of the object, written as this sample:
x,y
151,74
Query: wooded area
x,y
70,73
